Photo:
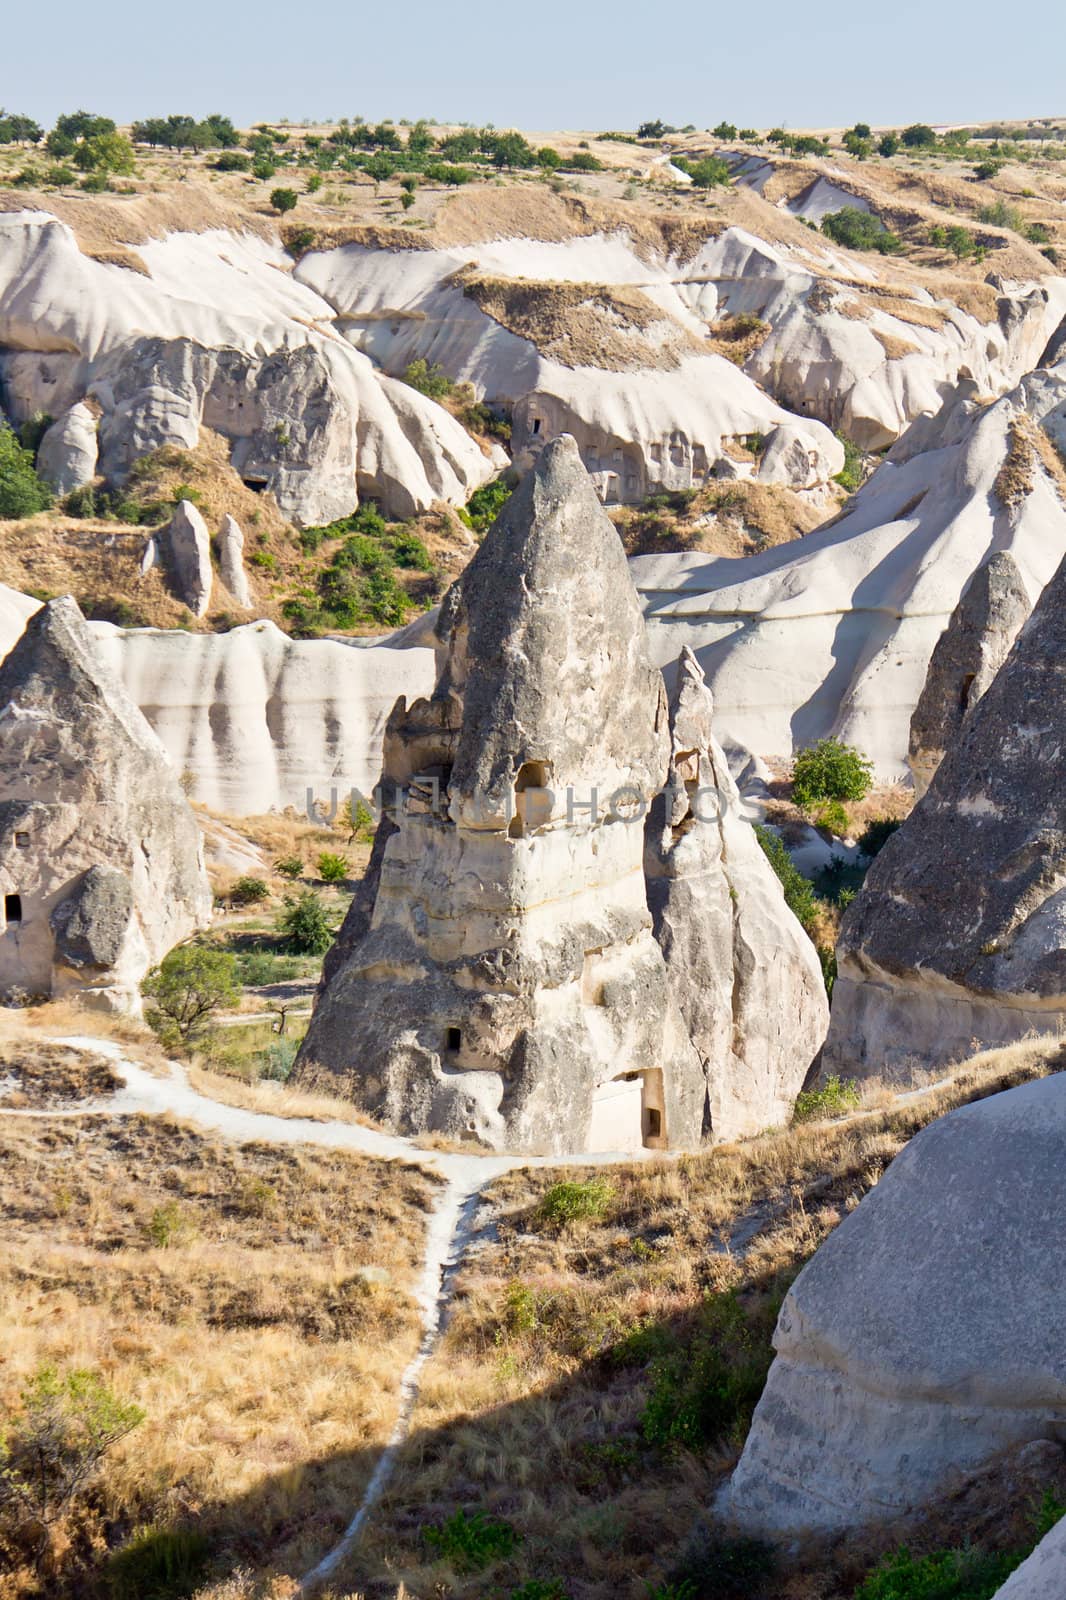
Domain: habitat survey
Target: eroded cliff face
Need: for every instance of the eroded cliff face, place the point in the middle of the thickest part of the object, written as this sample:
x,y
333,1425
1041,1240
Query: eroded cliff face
x,y
101,861
956,939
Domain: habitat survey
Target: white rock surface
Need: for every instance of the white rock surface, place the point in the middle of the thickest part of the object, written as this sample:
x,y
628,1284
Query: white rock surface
x,y
187,544
66,458
220,332
833,634
231,561
925,1335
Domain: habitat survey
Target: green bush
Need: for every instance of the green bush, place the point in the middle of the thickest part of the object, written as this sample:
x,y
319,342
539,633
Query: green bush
x,y
486,503
258,966
850,475
22,492
837,1097
471,1543
407,550
860,230
947,1575
432,381
710,173
284,200
564,1203
1001,215
305,925
830,770
332,868
277,1062
919,136
289,866
247,891
188,985
705,1391
888,144
157,1564
231,161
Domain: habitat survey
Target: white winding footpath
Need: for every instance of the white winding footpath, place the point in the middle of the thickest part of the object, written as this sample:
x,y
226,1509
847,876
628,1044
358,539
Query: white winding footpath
x,y
451,1223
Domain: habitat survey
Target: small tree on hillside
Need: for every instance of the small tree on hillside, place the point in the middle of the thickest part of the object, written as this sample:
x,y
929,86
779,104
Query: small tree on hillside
x,y
21,491
830,770
187,987
306,926
283,200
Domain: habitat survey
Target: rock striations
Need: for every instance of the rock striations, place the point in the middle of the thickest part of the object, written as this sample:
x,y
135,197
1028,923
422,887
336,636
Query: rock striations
x,y
956,940
925,1335
101,865
745,975
499,978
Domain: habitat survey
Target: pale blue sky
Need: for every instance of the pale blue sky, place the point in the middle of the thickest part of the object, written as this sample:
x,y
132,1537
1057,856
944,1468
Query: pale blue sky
x,y
540,65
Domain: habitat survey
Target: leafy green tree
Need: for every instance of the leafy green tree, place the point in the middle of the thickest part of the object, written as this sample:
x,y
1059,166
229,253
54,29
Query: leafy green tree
x,y
187,987
284,200
332,868
861,130
725,130
460,146
22,493
83,125
442,172
710,173
860,230
584,161
857,146
919,136
263,167
428,380
305,925
830,770
888,144
105,153
548,158
510,149
651,130
16,128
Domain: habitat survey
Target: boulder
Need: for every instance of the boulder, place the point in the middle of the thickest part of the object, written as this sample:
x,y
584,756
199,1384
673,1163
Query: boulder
x,y
965,659
188,547
925,1335
801,458
506,984
231,561
66,457
956,940
745,976
1043,1575
101,864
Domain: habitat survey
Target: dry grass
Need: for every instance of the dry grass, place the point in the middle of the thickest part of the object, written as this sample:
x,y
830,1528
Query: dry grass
x,y
276,1100
255,1302
532,1409
738,337
1016,478
895,349
35,1076
723,519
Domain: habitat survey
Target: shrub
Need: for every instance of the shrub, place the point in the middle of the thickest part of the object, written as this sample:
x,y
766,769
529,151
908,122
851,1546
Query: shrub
x,y
332,868
946,1575
157,1564
188,985
486,503
305,925
471,1543
1001,215
860,230
919,136
851,473
263,167
431,381
231,161
408,550
888,145
725,1568
565,1203
836,1098
22,492
290,867
284,200
247,891
710,173
298,241
279,1059
830,770
877,833
52,1449
583,161
706,1390
830,815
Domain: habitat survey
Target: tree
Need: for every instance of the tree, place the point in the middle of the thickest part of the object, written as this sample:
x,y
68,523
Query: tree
x,y
857,146
187,987
919,136
16,128
861,130
283,200
509,150
460,146
83,125
548,158
709,173
22,493
651,130
888,144
584,161
725,130
332,868
305,925
53,1447
105,153
860,230
830,770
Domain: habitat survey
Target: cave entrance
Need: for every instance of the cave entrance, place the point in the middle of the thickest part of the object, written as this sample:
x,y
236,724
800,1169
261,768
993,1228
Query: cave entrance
x,y
12,909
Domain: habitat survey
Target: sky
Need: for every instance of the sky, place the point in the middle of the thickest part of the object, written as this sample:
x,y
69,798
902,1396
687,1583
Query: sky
x,y
544,65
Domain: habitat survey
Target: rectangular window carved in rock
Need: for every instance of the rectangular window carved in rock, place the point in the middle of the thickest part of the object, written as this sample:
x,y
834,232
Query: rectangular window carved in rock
x,y
12,908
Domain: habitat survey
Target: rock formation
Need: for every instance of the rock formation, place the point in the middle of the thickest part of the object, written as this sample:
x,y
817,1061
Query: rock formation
x,y
745,976
187,545
965,659
66,457
956,939
101,866
1043,1575
925,1335
508,986
231,561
